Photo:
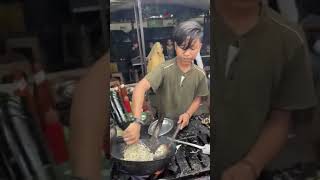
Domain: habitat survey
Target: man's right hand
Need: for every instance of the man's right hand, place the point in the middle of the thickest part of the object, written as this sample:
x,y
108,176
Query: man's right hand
x,y
132,134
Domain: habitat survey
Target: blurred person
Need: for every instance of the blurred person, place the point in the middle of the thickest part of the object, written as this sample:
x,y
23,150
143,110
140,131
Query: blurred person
x,y
134,52
207,50
150,45
262,75
88,123
199,60
170,50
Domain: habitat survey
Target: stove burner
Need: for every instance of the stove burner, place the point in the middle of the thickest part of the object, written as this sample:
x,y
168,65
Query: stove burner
x,y
189,161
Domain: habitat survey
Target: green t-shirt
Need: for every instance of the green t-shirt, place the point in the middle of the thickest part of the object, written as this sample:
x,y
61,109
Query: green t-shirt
x,y
176,89
270,70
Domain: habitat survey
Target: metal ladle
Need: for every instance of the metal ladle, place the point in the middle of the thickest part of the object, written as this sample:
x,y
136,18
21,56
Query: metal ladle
x,y
205,149
153,143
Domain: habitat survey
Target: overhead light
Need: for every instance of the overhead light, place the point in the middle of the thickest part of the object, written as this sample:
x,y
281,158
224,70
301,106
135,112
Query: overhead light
x,y
171,15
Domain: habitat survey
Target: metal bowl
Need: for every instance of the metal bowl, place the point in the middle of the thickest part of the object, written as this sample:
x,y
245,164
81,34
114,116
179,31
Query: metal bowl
x,y
167,125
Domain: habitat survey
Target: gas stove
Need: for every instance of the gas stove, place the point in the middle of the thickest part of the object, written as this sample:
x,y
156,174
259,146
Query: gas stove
x,y
189,162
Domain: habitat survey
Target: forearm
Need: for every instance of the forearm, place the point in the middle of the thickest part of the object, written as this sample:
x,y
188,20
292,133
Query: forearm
x,y
273,137
138,98
88,121
194,106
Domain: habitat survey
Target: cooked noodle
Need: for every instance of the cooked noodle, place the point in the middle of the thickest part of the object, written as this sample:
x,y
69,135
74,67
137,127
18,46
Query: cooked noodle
x,y
160,151
140,152
137,152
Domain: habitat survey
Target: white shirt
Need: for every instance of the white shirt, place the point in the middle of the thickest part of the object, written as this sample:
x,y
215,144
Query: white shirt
x,y
199,60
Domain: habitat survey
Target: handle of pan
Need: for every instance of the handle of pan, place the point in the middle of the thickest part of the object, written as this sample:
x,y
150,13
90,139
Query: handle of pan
x,y
177,131
175,134
186,143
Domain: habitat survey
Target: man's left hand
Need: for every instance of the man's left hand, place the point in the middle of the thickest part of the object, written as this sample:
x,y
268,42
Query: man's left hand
x,y
239,171
184,120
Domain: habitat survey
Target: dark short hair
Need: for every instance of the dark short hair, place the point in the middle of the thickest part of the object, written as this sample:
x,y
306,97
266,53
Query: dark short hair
x,y
186,29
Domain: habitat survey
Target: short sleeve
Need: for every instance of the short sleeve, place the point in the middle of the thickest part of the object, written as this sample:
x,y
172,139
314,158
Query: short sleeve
x,y
155,77
296,89
202,89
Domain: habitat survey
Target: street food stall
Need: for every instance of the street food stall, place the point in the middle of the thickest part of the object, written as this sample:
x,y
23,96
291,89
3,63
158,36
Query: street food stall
x,y
141,38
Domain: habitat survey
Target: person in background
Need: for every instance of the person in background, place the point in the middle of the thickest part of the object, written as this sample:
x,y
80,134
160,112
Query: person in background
x,y
134,58
150,45
170,51
288,9
262,75
199,60
134,52
207,49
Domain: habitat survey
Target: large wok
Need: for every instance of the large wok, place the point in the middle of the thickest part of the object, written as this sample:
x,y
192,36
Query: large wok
x,y
139,168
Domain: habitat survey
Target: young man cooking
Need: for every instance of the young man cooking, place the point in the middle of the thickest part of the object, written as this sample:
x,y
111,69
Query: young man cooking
x,y
178,82
262,74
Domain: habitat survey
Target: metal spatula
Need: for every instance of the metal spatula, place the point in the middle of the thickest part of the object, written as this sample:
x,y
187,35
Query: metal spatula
x,y
205,149
153,143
